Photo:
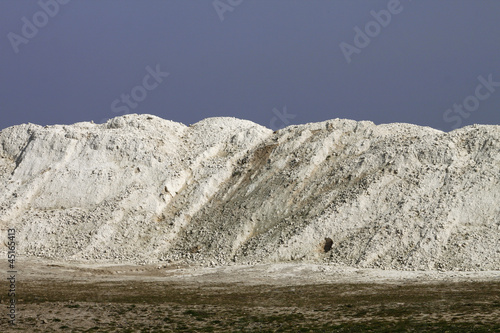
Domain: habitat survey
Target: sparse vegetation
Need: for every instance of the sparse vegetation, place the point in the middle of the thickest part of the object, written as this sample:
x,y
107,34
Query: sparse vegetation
x,y
167,307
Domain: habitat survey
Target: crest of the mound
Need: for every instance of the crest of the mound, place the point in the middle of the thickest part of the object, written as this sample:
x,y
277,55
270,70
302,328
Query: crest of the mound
x,y
226,190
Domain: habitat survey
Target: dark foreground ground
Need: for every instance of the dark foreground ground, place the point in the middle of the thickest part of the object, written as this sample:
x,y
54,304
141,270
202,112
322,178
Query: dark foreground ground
x,y
135,306
91,297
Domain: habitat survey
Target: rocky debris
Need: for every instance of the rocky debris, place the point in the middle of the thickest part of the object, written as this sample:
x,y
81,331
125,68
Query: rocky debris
x,y
225,191
327,245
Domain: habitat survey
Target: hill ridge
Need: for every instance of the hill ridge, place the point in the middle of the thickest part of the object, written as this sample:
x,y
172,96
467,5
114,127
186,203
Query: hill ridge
x,y
224,190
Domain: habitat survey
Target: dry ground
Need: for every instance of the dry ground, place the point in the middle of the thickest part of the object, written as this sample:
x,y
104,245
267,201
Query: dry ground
x,y
58,297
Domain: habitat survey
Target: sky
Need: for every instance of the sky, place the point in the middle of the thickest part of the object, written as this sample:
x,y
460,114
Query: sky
x,y
274,62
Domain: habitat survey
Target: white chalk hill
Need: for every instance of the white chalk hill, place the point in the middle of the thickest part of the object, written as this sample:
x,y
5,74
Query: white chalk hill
x,y
140,188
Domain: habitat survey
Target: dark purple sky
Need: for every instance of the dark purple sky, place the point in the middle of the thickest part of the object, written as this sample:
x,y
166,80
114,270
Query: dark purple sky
x,y
267,59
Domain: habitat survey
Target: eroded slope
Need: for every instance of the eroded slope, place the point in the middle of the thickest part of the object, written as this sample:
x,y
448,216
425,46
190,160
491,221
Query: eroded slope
x,y
226,190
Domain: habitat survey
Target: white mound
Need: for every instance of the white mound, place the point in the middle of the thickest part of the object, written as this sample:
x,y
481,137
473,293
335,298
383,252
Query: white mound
x,y
140,188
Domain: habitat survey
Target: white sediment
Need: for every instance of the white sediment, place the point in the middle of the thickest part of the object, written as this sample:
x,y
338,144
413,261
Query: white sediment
x,y
224,191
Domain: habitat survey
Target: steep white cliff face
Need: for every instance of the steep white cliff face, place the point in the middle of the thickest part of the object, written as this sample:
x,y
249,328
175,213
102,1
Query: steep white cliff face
x,y
227,190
